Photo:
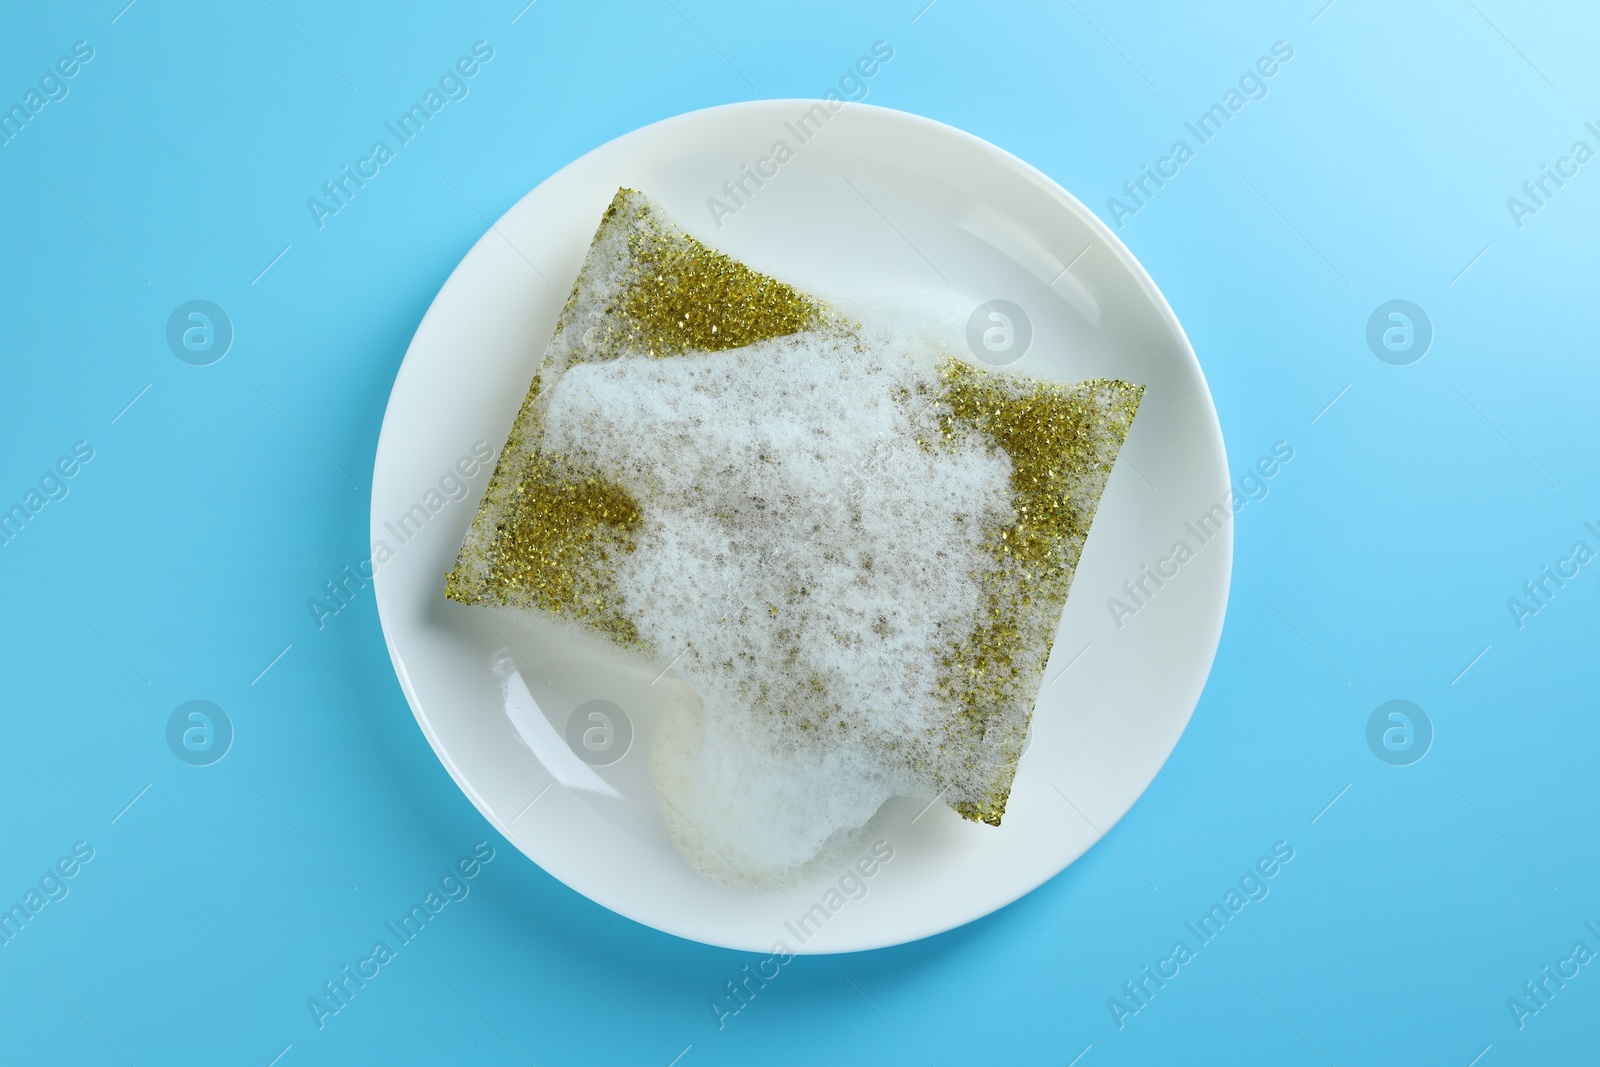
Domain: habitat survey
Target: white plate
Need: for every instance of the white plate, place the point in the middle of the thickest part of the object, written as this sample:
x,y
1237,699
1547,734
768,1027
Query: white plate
x,y
878,202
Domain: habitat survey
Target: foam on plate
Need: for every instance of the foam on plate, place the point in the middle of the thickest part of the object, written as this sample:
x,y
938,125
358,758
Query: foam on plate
x,y
850,544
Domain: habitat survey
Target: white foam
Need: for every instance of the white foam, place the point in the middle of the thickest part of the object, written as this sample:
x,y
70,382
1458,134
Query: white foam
x,y
802,562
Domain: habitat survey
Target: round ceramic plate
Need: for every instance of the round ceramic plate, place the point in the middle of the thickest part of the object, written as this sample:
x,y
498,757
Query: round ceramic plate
x,y
866,202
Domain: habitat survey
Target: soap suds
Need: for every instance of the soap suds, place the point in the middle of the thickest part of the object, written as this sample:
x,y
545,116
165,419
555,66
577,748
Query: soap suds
x,y
805,611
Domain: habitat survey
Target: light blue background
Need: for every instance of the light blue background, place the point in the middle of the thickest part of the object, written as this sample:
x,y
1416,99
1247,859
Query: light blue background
x,y
1378,567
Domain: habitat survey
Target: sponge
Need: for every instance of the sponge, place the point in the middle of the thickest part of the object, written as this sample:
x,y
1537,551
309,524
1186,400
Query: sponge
x,y
850,544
